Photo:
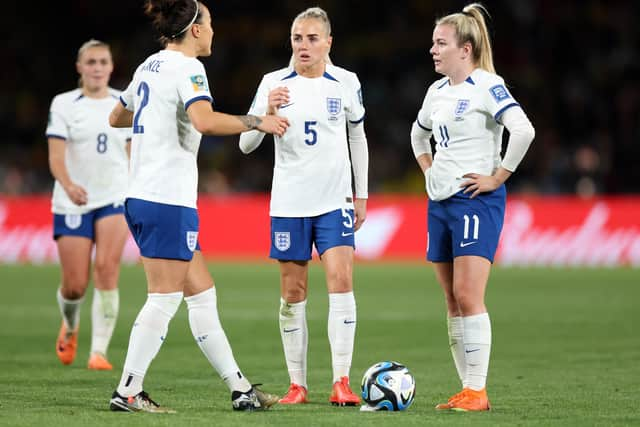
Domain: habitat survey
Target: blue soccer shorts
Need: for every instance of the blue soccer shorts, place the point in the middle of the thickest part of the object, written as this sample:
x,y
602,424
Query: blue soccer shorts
x,y
292,238
161,230
83,225
460,225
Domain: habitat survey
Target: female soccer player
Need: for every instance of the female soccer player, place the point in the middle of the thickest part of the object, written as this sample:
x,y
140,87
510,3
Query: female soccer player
x,y
312,201
168,103
466,112
89,161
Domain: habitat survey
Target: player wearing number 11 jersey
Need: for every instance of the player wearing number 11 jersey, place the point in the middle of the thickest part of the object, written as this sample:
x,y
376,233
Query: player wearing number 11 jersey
x,y
312,200
466,112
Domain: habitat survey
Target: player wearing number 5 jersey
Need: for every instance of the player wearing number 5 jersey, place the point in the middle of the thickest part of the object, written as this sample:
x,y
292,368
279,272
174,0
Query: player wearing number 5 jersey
x,y
466,112
312,200
168,103
89,161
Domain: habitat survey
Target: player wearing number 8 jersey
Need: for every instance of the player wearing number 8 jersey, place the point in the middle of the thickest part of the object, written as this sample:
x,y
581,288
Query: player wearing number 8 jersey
x,y
89,161
466,112
312,200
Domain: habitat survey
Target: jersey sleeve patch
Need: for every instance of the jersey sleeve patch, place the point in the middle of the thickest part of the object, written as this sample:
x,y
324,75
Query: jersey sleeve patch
x,y
499,93
199,83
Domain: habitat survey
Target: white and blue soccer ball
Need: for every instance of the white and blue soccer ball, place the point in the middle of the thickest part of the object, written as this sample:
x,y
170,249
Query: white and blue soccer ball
x,y
388,386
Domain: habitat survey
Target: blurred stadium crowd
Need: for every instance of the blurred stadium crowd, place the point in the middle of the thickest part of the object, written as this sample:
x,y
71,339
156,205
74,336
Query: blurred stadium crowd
x,y
573,65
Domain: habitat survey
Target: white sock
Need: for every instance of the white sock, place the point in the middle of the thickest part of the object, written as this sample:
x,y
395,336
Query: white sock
x,y
208,332
342,331
477,347
104,313
295,339
147,335
70,310
455,327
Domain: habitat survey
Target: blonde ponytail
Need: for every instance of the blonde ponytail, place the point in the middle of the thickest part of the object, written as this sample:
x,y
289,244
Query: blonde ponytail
x,y
471,28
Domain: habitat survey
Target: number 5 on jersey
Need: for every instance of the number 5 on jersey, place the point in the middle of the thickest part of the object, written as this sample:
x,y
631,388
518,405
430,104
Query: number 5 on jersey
x,y
311,132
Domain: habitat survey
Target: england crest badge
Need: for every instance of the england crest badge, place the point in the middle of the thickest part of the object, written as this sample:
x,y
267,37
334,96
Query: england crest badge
x,y
192,240
282,240
334,105
73,221
461,107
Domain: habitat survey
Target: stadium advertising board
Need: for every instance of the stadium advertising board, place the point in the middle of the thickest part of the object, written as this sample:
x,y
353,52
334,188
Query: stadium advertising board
x,y
538,231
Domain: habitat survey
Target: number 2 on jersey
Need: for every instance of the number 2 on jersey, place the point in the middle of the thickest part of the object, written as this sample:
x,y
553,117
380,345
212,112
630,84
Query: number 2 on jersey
x,y
311,132
144,88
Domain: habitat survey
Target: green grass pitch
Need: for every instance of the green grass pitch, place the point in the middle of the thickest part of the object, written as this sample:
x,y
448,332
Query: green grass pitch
x,y
566,349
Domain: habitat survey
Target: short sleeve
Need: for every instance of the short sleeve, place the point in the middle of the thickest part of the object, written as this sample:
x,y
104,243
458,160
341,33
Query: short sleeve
x,y
497,98
57,126
192,84
127,96
355,111
260,101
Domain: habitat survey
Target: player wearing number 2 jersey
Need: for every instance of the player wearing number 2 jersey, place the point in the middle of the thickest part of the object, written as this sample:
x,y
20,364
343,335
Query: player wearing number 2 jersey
x,y
88,159
168,103
312,200
466,112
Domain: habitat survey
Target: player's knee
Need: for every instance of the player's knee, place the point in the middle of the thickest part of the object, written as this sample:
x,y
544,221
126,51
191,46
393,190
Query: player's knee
x,y
339,282
294,295
452,304
463,299
74,287
105,270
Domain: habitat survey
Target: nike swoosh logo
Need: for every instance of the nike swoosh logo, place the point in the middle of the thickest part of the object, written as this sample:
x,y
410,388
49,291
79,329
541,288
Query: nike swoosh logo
x,y
471,351
286,331
346,234
347,322
463,244
286,105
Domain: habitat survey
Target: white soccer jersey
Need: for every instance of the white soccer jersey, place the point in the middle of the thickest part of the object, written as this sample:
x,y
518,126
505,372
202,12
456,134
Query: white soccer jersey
x,y
95,154
165,144
465,121
312,171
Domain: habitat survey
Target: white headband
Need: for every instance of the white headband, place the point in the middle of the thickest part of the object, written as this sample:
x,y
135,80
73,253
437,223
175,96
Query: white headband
x,y
190,23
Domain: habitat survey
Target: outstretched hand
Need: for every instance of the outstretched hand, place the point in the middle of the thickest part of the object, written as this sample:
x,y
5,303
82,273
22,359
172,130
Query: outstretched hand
x,y
275,125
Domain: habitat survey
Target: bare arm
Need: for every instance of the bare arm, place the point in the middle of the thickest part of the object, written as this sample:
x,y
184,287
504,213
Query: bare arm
x,y
120,117
58,168
209,122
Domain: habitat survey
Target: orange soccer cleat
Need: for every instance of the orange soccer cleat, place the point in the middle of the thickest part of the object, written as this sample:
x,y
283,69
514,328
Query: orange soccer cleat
x,y
452,399
296,394
472,400
342,394
98,362
66,345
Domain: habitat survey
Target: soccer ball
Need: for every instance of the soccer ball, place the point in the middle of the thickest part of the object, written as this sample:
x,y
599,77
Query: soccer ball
x,y
388,386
